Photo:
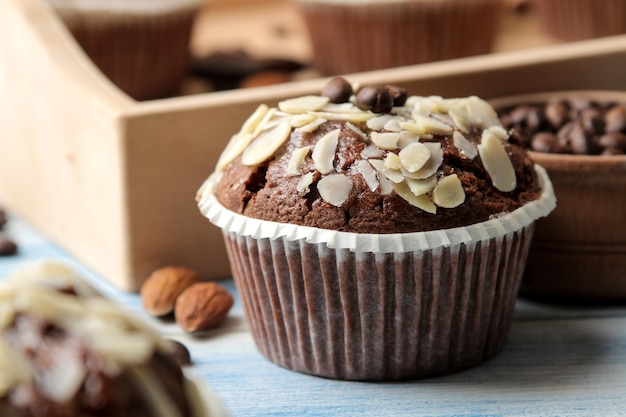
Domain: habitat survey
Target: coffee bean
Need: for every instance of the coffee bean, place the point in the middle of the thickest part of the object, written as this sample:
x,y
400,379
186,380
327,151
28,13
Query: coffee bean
x,y
338,90
613,140
374,98
519,115
398,94
7,246
181,353
3,219
612,151
592,120
578,140
615,119
557,114
543,142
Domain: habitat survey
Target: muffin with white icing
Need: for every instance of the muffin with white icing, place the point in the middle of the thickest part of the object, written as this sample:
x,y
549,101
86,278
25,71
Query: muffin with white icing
x,y
142,46
66,351
377,236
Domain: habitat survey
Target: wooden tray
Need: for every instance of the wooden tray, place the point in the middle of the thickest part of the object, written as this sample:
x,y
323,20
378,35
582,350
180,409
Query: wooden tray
x,y
113,180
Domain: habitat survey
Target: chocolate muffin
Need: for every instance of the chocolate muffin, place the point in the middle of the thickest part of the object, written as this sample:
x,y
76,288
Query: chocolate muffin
x,y
66,351
377,236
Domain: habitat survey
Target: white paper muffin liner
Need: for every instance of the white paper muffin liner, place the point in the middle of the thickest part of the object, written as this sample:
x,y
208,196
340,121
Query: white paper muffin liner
x,y
378,307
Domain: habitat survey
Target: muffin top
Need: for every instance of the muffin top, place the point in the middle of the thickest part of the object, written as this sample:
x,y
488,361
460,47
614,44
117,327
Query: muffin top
x,y
375,160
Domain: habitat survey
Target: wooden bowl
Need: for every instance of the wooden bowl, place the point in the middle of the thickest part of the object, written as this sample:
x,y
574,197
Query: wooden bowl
x,y
579,251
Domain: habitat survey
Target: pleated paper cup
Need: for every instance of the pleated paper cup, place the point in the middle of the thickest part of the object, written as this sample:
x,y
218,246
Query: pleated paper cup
x,y
573,20
142,46
355,306
350,36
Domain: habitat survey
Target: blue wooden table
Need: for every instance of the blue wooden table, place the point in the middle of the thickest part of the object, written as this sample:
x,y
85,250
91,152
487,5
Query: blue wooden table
x,y
559,361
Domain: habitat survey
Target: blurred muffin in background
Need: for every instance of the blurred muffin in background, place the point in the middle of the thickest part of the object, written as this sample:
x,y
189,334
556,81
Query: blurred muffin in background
x,y
142,46
572,20
362,35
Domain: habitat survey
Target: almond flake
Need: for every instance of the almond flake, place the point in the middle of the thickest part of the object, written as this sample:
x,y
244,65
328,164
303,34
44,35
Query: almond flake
x,y
420,187
357,131
265,124
499,132
414,156
419,201
368,173
425,125
460,120
335,189
392,161
303,104
433,164
393,125
379,122
300,120
297,157
449,192
386,140
305,181
340,108
407,138
349,117
371,151
235,147
313,125
481,110
386,185
392,174
497,162
324,151
254,119
464,146
266,144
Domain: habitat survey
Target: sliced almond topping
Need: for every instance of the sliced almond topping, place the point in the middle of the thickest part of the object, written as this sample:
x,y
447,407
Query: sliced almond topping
x,y
303,104
357,130
449,192
379,122
349,117
324,151
386,140
235,147
391,174
265,124
371,151
305,181
483,111
297,157
414,156
313,125
393,125
340,108
499,132
266,144
386,185
459,119
421,201
254,119
425,125
464,146
497,162
393,161
432,165
368,173
420,187
407,138
335,188
300,120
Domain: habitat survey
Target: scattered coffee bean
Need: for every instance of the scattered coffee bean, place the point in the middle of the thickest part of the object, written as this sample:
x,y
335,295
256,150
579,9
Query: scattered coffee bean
x,y
398,94
377,99
576,126
7,246
181,353
338,90
3,219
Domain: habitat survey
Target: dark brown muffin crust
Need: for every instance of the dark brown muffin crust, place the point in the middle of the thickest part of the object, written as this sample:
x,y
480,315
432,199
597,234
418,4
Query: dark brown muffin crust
x,y
265,191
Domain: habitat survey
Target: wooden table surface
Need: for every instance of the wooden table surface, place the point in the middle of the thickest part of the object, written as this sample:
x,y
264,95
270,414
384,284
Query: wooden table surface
x,y
559,361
